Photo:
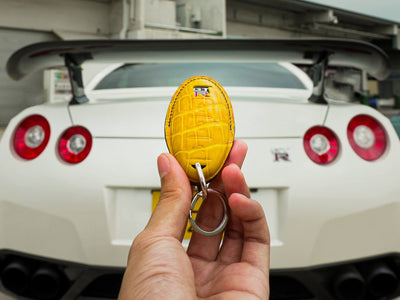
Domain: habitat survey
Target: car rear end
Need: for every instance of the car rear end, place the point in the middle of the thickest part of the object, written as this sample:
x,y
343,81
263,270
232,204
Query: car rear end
x,y
83,215
67,225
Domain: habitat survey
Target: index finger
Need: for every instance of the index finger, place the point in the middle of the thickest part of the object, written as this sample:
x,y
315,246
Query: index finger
x,y
207,248
236,156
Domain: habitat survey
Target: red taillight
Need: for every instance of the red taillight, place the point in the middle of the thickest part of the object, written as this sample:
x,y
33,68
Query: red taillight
x,y
75,144
31,137
321,145
367,137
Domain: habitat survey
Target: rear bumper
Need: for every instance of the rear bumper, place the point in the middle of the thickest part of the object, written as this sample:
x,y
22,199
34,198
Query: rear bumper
x,y
34,277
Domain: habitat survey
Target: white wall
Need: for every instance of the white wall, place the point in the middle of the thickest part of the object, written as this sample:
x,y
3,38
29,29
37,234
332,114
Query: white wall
x,y
86,18
204,14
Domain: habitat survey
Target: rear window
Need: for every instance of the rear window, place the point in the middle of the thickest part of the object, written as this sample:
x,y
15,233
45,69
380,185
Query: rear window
x,y
271,75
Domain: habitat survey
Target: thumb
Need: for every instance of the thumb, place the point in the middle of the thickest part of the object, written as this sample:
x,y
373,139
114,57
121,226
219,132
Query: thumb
x,y
171,213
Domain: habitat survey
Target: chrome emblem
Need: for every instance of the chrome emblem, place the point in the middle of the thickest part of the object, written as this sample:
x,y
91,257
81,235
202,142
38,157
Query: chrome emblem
x,y
280,154
200,90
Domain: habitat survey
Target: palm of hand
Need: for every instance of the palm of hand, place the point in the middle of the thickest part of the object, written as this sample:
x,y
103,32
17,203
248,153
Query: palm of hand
x,y
158,266
232,281
239,269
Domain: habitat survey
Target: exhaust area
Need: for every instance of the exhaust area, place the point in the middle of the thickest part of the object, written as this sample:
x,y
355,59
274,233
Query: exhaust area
x,y
46,283
24,276
381,279
370,278
349,285
375,280
29,279
16,276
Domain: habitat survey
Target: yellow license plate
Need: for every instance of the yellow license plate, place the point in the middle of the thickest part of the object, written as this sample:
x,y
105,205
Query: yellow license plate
x,y
189,228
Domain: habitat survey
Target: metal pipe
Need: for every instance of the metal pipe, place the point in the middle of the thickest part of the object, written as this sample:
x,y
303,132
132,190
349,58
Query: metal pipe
x,y
349,284
381,280
16,276
185,29
46,283
139,11
124,22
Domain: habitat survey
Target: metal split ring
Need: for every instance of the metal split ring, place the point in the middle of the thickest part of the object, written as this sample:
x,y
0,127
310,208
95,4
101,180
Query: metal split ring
x,y
203,183
204,193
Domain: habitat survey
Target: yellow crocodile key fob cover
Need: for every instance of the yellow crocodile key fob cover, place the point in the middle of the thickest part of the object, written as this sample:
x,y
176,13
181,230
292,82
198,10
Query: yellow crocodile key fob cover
x,y
200,127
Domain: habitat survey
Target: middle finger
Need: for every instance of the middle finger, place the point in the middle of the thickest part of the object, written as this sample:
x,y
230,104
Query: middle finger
x,y
209,216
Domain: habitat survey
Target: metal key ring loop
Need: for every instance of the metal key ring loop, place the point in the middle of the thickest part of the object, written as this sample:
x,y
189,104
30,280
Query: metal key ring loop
x,y
203,183
224,221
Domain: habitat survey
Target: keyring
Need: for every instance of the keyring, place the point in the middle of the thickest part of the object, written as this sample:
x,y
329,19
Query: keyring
x,y
202,179
224,221
204,192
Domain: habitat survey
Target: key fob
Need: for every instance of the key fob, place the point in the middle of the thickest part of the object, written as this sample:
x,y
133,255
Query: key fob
x,y
200,127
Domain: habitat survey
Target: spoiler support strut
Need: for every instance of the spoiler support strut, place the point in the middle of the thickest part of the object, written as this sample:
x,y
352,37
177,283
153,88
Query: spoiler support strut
x,y
73,63
317,75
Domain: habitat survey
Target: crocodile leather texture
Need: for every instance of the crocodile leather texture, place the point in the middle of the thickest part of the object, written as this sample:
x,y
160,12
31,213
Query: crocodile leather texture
x,y
200,127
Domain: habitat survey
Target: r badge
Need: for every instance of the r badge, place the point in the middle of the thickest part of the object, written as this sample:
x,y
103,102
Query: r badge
x,y
280,154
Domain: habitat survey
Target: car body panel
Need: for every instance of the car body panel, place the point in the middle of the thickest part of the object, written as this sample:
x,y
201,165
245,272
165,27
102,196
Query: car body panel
x,y
104,182
343,198
122,120
103,177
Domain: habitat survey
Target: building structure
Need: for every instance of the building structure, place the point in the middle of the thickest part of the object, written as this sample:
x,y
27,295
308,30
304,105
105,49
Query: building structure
x,y
27,21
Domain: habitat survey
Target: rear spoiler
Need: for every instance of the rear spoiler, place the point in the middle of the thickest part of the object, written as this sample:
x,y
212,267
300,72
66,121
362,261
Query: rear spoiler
x,y
317,52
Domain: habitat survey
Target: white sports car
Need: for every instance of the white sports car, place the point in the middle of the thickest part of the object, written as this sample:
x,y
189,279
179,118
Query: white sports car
x,y
78,180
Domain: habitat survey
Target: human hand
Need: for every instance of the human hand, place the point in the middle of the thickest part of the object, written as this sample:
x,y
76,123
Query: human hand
x,y
159,267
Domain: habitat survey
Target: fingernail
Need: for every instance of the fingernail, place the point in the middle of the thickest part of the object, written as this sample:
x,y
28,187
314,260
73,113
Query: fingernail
x,y
243,197
163,165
